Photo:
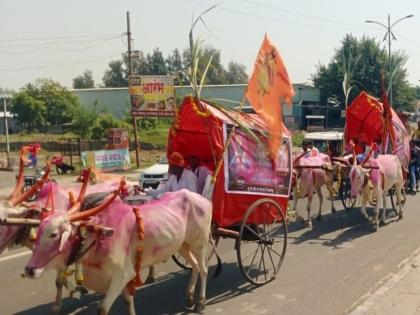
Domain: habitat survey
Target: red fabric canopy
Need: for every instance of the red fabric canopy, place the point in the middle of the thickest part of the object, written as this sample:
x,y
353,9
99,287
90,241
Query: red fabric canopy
x,y
365,119
198,131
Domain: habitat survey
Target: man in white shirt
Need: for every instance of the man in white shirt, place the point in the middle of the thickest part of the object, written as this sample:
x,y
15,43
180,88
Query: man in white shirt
x,y
179,178
200,171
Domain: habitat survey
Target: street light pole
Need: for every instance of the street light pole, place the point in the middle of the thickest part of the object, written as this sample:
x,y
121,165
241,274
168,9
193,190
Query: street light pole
x,y
388,34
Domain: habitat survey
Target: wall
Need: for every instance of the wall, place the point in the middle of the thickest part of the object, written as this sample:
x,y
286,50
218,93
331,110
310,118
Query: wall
x,y
116,100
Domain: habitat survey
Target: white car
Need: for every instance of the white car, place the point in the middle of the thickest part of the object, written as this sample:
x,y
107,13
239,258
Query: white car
x,y
155,174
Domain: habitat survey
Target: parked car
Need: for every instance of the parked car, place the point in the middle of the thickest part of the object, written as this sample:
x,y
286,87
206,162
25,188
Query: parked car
x,y
155,174
328,142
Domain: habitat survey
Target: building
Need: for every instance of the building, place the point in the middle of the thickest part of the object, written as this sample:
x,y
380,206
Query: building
x,y
116,100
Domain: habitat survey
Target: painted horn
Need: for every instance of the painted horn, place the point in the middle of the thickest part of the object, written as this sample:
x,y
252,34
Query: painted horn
x,y
20,221
34,188
372,148
19,181
93,211
75,205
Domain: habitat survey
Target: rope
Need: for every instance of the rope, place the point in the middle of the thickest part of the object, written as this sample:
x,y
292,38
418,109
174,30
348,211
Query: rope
x,y
136,281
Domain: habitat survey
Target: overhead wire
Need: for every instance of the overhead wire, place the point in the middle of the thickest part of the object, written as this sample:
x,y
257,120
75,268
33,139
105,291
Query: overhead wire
x,y
57,37
52,47
274,19
58,66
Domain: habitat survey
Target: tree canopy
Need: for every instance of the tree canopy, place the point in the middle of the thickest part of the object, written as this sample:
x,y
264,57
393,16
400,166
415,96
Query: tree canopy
x,y
363,61
44,103
176,64
84,81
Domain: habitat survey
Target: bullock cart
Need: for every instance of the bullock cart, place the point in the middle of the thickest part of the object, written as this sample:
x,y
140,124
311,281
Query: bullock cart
x,y
249,194
376,121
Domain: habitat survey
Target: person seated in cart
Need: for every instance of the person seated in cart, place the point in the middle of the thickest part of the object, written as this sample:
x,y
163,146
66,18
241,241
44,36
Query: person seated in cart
x,y
200,171
179,178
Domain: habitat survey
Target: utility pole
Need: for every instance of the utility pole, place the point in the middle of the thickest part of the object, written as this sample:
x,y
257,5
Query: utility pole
x,y
134,119
388,34
6,131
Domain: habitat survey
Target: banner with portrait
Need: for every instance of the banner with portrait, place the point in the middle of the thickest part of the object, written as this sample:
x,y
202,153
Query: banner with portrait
x,y
107,160
152,96
249,169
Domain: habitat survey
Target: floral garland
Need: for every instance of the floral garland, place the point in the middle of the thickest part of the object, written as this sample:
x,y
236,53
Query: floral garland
x,y
203,114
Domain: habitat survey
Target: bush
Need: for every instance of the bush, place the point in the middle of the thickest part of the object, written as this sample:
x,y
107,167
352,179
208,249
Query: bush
x,y
105,121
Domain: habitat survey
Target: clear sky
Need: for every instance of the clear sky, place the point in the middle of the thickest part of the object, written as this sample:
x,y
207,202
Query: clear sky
x,y
43,39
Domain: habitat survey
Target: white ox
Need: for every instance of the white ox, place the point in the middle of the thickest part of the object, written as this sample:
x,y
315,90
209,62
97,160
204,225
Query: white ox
x,y
383,173
313,173
178,222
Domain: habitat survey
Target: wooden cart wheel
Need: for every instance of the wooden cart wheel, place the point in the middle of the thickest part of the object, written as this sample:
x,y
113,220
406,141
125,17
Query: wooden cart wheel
x,y
181,262
344,192
261,247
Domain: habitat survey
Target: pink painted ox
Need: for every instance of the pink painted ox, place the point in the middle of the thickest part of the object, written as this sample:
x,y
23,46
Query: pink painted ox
x,y
311,179
178,222
383,173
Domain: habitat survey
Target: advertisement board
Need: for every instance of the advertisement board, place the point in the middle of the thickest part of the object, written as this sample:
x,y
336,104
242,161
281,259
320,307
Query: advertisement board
x,y
152,96
248,168
107,160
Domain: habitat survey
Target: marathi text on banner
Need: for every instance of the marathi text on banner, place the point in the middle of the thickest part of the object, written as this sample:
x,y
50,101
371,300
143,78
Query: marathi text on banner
x,y
107,160
249,169
152,96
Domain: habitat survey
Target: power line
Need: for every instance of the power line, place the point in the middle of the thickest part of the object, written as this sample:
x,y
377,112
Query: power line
x,y
59,43
58,66
302,15
238,12
58,49
58,37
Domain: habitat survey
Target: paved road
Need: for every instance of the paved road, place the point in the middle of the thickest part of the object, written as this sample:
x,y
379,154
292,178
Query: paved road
x,y
327,270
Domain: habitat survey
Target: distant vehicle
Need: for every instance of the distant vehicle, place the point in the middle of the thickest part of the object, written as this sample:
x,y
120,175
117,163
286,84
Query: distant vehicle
x,y
328,142
246,109
155,174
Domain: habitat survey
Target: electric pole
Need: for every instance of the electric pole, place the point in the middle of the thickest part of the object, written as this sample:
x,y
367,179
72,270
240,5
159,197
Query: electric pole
x,y
134,119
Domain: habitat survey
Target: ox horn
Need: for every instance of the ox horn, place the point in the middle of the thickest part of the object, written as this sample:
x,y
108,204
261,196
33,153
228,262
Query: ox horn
x,y
372,149
75,205
20,221
34,189
93,211
19,182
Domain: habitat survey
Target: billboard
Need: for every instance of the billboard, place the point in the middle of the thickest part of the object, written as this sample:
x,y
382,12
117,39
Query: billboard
x,y
107,160
152,96
249,169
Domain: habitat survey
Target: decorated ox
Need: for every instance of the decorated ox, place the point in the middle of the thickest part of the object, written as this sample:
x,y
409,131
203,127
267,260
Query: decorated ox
x,y
178,222
312,173
373,178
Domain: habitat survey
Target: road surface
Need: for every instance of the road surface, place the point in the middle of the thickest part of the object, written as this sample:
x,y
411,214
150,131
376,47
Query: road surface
x,y
326,271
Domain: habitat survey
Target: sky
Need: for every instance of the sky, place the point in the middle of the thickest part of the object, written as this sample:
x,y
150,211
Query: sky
x,y
59,39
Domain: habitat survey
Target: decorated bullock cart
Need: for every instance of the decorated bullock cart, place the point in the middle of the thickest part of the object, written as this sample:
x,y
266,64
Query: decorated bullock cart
x,y
372,121
248,190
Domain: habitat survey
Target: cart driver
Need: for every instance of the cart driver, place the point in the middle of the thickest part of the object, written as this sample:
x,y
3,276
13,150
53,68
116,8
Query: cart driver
x,y
179,178
200,171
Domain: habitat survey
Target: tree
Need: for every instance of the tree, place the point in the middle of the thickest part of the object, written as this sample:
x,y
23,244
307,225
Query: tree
x,y
116,75
365,76
84,81
84,122
418,92
28,111
175,67
47,103
236,73
157,63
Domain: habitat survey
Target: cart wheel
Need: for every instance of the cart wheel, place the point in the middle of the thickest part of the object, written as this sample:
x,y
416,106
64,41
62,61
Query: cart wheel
x,y
183,263
393,196
344,192
261,247
27,187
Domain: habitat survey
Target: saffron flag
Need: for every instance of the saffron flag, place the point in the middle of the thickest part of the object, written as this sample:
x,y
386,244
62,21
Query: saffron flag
x,y
269,87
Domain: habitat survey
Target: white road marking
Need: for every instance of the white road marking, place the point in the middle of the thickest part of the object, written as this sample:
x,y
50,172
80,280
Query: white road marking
x,y
15,256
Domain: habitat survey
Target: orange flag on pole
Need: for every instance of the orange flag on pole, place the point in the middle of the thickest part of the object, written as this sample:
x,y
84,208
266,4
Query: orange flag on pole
x,y
269,87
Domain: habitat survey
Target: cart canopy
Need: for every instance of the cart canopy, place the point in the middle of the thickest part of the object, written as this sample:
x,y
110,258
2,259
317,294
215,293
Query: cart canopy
x,y
365,118
201,130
